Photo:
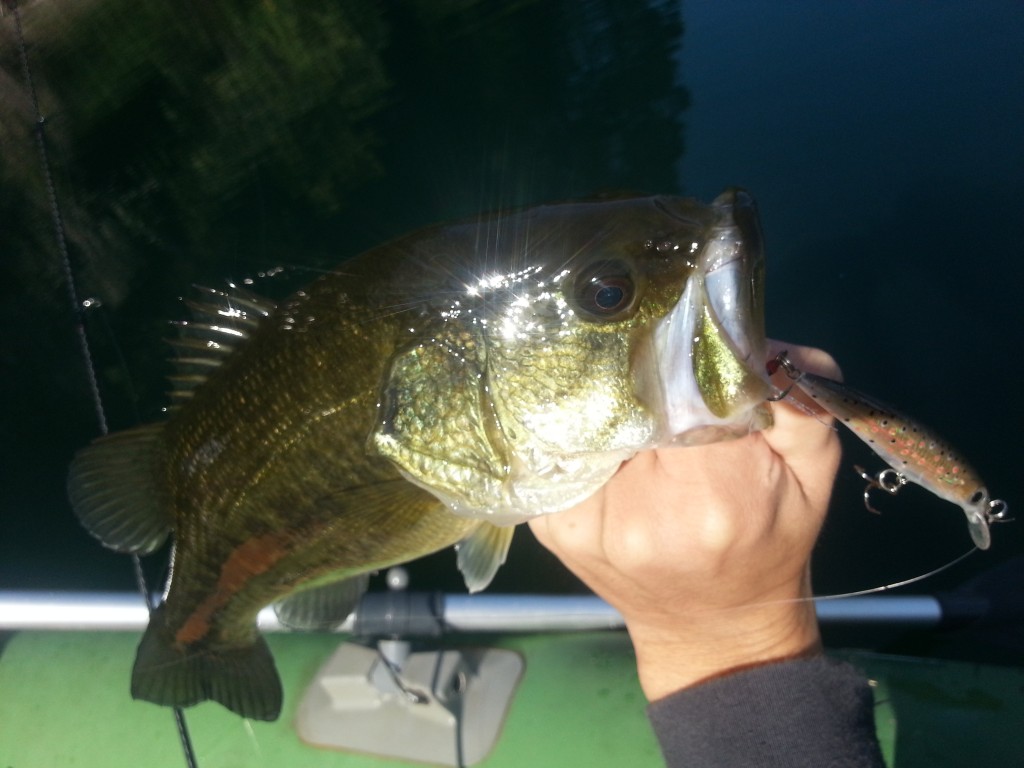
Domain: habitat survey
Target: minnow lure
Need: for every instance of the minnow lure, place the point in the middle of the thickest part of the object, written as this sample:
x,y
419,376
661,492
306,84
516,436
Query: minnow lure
x,y
913,452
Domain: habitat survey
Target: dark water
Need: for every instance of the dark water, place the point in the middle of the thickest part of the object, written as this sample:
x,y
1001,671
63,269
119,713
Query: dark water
x,y
194,142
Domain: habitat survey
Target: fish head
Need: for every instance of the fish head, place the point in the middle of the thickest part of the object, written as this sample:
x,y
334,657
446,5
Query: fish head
x,y
570,337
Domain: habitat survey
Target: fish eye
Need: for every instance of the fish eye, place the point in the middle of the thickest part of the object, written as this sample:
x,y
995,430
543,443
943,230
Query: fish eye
x,y
605,289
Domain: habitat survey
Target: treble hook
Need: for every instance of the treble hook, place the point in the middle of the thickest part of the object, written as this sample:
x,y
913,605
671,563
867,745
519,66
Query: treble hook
x,y
782,361
888,480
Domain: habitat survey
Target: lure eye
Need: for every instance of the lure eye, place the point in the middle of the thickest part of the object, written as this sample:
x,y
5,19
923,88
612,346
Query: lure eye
x,y
605,290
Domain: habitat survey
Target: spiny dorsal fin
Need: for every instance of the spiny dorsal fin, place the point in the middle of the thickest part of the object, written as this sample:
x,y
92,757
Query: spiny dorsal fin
x,y
221,321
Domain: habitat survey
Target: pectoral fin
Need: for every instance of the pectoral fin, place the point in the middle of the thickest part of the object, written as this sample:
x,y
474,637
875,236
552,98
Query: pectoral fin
x,y
482,553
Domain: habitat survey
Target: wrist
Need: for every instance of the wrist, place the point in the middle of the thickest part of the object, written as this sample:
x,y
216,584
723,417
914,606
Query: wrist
x,y
671,657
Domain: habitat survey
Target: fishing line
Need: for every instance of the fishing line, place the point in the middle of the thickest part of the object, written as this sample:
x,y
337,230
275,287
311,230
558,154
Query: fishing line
x,y
897,584
860,592
251,734
98,310
78,313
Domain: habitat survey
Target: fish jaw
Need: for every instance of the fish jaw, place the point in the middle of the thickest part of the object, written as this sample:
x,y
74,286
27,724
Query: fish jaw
x,y
703,370
525,493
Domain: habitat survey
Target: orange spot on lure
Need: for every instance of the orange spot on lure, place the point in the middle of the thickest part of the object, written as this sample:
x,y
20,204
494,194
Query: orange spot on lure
x,y
913,452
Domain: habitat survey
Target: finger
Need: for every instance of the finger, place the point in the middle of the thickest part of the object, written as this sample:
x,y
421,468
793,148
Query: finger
x,y
798,430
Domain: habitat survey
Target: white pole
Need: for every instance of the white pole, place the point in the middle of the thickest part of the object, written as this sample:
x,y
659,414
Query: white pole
x,y
99,611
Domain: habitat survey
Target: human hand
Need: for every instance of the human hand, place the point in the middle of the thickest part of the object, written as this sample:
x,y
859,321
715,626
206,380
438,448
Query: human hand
x,y
705,550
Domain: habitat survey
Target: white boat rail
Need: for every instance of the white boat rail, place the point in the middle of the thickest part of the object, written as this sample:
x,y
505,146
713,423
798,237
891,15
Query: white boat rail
x,y
125,611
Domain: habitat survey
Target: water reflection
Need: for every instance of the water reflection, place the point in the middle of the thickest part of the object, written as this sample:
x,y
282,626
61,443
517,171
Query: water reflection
x,y
888,179
197,142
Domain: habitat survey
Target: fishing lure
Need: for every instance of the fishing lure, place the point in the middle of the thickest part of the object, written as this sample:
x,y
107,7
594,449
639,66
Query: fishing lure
x,y
914,453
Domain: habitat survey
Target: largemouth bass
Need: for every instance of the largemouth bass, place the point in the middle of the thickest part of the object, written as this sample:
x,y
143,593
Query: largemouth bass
x,y
434,391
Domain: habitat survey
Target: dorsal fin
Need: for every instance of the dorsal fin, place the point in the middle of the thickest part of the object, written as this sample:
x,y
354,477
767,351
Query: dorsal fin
x,y
221,321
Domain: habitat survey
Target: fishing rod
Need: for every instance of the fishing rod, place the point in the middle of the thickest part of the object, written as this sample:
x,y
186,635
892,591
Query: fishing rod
x,y
78,313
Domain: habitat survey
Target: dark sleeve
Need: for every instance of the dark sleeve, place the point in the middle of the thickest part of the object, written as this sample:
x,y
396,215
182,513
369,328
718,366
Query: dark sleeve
x,y
808,712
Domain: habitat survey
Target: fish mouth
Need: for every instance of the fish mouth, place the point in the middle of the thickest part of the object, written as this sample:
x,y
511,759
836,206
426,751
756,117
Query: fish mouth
x,y
709,350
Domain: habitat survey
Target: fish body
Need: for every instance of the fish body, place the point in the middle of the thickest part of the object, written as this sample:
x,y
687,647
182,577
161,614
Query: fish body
x,y
912,450
433,391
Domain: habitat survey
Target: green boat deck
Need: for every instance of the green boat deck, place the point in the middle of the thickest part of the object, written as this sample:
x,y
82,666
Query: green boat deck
x,y
64,702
